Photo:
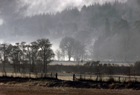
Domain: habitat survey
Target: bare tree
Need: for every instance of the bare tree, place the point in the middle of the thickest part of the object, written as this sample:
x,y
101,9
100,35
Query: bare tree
x,y
67,46
5,51
72,48
45,53
79,51
28,46
15,55
4,59
34,55
58,54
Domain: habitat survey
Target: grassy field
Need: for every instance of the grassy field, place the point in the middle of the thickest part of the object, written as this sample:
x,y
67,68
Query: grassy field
x,y
28,90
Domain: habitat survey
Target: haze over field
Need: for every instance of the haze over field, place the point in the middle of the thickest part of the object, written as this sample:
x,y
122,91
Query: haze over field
x,y
108,28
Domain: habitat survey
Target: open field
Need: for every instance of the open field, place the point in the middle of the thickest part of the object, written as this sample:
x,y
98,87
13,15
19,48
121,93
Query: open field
x,y
30,90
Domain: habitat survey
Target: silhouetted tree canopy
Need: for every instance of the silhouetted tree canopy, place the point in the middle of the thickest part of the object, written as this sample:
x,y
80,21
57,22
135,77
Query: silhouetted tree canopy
x,y
72,48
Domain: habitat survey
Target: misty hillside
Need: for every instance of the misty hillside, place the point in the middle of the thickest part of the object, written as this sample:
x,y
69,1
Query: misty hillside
x,y
109,31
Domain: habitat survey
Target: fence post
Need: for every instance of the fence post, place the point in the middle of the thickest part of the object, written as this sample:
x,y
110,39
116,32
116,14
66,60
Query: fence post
x,y
74,77
125,79
90,77
80,76
84,76
56,76
51,75
135,79
119,79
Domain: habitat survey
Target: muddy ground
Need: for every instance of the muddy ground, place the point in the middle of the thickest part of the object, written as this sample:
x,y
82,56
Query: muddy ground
x,y
36,90
26,86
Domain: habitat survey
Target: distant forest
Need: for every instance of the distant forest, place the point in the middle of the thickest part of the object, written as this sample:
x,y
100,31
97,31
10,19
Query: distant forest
x,y
110,31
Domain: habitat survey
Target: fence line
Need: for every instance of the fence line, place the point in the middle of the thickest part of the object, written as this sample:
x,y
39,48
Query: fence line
x,y
119,78
75,77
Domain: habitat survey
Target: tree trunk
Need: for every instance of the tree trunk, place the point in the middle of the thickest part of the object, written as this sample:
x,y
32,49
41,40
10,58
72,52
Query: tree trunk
x,y
44,62
4,71
69,57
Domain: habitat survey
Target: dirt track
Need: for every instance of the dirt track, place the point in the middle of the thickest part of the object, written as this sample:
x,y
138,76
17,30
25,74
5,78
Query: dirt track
x,y
35,90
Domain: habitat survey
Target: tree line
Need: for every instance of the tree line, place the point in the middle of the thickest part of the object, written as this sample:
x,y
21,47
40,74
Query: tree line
x,y
26,57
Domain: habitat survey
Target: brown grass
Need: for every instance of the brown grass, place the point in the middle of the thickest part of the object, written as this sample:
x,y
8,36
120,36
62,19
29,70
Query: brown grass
x,y
37,90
